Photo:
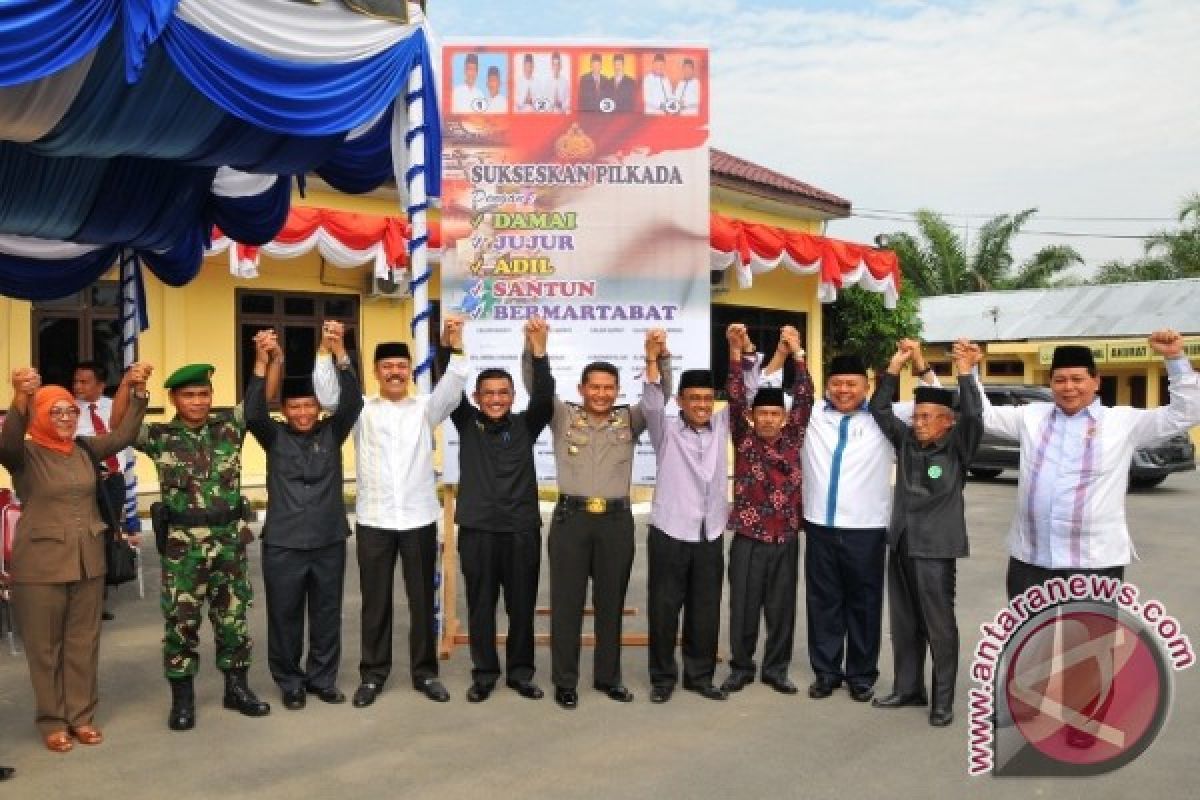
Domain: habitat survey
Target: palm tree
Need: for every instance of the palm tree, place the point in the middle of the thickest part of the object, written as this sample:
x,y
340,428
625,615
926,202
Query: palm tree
x,y
936,262
1168,254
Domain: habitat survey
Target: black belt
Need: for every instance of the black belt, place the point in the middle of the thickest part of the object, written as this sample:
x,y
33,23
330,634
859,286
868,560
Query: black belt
x,y
594,505
203,519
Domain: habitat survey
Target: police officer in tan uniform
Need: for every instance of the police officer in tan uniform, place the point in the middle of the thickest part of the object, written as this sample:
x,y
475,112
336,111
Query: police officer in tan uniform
x,y
591,534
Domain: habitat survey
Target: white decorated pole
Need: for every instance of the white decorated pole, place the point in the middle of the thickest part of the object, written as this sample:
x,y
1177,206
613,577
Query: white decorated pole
x,y
418,243
130,325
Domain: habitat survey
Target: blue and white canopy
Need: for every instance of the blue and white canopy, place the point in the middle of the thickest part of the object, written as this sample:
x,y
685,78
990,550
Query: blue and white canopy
x,y
131,127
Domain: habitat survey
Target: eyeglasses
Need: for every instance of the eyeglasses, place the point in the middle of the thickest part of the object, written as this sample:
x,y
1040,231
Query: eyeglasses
x,y
64,413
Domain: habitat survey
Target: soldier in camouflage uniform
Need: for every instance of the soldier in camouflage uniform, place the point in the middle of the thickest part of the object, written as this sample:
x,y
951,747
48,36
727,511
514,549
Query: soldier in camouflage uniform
x,y
198,458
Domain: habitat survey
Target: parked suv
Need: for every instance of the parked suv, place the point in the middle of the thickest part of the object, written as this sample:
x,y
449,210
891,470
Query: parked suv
x,y
1150,466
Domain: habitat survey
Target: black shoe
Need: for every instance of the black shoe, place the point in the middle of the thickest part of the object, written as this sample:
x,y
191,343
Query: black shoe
x,y
527,689
661,694
941,717
736,682
861,694
478,692
107,615
567,698
705,690
781,685
6,773
294,699
241,698
328,694
433,689
616,692
183,705
900,700
821,688
365,694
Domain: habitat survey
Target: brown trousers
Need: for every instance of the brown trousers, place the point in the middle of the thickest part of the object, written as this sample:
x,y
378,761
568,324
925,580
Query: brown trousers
x,y
60,626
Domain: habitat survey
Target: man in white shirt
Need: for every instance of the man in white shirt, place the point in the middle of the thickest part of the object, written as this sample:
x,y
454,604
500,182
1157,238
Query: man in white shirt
x,y
527,91
687,93
397,506
497,103
95,414
560,87
1074,471
847,464
658,97
468,98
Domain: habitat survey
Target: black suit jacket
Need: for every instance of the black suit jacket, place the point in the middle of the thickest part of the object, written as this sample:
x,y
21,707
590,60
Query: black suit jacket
x,y
590,94
928,503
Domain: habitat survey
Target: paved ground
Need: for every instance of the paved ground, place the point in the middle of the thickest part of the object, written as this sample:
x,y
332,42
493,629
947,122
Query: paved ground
x,y
758,744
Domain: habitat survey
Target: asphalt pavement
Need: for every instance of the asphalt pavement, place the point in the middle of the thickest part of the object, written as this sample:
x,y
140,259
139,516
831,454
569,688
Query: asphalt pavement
x,y
758,744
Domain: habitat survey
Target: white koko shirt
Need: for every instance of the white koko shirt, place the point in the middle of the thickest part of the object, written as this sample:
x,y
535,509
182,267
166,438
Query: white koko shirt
x,y
393,440
1075,470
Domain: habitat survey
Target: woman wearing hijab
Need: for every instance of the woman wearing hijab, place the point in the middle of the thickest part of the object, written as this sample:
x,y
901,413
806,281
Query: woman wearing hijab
x,y
58,554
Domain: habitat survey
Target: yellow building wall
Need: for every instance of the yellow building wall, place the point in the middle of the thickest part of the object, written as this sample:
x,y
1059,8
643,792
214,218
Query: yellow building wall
x,y
197,323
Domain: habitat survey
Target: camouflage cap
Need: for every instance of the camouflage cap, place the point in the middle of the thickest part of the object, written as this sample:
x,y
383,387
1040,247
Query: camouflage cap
x,y
191,375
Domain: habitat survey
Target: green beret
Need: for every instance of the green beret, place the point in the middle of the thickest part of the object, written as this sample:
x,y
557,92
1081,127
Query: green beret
x,y
191,375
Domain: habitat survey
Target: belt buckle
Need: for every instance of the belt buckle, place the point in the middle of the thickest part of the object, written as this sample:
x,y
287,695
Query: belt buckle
x,y
596,505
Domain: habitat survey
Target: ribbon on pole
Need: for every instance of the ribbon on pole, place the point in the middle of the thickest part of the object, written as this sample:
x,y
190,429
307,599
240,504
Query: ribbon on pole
x,y
131,303
418,242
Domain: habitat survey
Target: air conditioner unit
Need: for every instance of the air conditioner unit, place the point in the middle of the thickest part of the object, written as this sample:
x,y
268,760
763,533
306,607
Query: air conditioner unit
x,y
391,288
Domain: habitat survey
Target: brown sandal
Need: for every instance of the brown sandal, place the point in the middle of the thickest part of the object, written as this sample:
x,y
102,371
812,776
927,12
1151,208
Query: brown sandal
x,y
86,734
59,742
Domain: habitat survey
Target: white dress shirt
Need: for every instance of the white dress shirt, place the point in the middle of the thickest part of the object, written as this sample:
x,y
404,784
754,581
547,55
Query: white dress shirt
x,y
560,94
687,94
528,91
656,91
1075,470
393,441
86,428
464,99
847,463
497,104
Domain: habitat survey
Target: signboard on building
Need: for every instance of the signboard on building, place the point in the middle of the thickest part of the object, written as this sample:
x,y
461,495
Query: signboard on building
x,y
576,188
1124,351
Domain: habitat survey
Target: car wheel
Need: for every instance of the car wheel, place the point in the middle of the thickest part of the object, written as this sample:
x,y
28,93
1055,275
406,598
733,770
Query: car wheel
x,y
986,473
1146,483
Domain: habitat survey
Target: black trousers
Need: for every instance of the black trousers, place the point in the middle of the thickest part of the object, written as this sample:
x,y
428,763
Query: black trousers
x,y
843,590
762,582
583,546
1022,576
492,562
921,610
378,549
300,583
687,577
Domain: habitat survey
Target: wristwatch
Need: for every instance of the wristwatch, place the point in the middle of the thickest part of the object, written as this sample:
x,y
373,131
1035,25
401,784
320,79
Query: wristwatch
x,y
141,394
344,362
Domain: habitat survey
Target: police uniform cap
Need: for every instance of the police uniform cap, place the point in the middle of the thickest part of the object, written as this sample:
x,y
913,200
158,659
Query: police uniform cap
x,y
191,375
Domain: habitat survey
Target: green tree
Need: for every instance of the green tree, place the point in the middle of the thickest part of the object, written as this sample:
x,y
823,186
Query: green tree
x,y
936,261
858,322
1169,255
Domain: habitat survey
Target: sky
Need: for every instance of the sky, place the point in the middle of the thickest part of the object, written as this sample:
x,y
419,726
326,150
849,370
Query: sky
x,y
1087,111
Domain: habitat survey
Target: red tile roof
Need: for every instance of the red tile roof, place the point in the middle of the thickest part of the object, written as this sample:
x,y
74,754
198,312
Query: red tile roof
x,y
742,174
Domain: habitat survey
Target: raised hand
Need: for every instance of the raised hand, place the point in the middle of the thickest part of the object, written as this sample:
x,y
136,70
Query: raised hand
x,y
1167,343
452,332
138,374
537,334
963,352
901,357
26,381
